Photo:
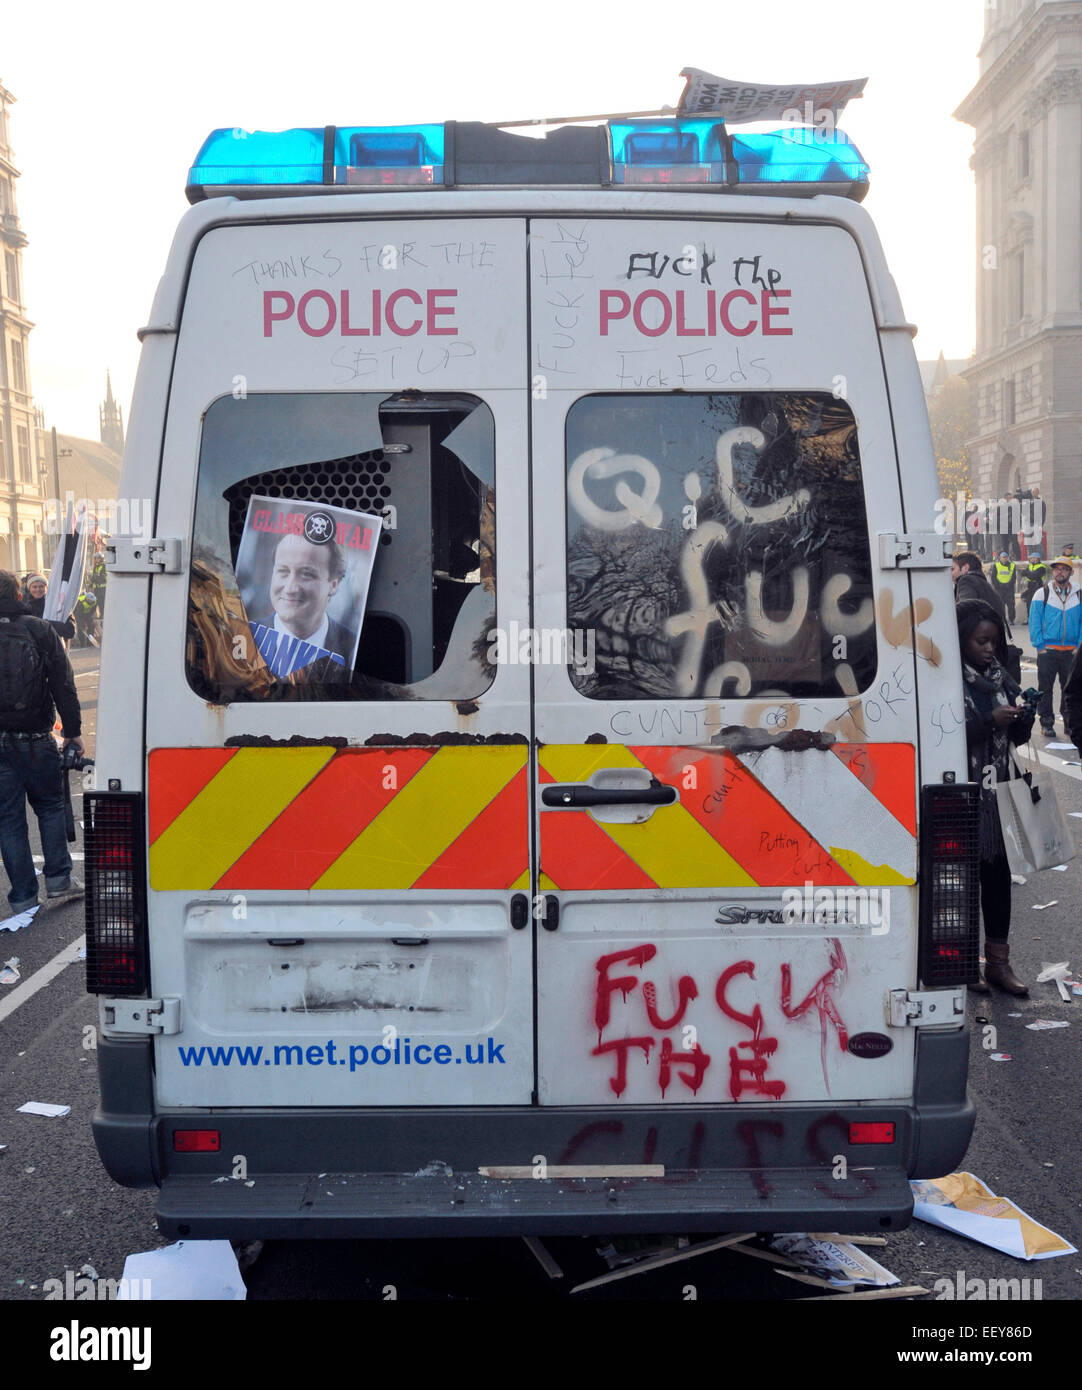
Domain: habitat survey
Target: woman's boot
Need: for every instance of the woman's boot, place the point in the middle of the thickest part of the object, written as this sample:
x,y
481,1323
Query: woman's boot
x,y
997,970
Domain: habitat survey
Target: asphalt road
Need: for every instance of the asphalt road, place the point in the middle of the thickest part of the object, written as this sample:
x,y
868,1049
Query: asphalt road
x,y
61,1212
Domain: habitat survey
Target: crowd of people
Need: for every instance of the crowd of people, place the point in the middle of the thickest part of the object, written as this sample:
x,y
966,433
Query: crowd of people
x,y
36,682
83,628
998,716
37,685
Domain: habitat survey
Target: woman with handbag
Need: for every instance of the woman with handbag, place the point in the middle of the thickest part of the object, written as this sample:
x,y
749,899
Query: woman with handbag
x,y
993,723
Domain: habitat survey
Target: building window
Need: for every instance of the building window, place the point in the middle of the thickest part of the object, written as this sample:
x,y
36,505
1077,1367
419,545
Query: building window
x,y
1023,154
11,274
26,472
1008,401
18,367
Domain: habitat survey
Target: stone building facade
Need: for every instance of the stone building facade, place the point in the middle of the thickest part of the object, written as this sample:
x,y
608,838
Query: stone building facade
x,y
22,440
1026,374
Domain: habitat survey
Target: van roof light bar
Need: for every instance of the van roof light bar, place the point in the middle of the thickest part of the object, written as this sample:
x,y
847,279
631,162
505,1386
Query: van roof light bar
x,y
656,153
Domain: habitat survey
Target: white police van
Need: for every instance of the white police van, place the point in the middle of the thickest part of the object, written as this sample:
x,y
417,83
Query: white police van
x,y
531,787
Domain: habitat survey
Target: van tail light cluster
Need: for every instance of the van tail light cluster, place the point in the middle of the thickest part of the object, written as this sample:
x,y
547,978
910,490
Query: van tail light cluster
x,y
950,884
116,897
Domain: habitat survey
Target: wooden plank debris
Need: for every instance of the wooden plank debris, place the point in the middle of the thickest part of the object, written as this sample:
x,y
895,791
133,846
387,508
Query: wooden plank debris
x,y
656,1261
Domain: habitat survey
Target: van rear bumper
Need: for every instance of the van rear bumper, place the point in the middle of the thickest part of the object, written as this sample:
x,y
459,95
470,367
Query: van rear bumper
x,y
352,1206
361,1173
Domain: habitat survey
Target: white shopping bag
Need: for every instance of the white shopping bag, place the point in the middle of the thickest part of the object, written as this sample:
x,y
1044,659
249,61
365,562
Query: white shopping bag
x,y
1035,831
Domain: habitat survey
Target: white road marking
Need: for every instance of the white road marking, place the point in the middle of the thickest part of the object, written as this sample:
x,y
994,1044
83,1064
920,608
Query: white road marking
x,y
40,978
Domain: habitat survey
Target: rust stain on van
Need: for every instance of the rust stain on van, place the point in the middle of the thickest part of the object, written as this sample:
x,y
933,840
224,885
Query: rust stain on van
x,y
294,741
467,706
447,739
739,739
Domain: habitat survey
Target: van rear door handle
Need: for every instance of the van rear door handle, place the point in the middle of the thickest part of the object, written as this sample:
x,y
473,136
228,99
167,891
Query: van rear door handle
x,y
582,794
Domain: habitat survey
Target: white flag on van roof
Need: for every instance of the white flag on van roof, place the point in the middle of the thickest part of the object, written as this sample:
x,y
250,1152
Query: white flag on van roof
x,y
738,102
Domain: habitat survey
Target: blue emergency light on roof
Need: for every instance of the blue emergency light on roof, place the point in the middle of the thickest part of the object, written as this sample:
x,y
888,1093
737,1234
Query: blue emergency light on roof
x,y
693,152
374,155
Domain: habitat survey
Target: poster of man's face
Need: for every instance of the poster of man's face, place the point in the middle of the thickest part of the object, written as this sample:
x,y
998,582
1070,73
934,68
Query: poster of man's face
x,y
304,579
303,570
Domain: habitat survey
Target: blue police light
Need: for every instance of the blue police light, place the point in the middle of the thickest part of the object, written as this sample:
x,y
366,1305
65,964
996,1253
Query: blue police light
x,y
321,155
798,155
391,155
702,151
233,158
669,152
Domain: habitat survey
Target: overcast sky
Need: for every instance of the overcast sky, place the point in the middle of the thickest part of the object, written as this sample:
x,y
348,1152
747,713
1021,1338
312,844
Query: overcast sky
x,y
114,100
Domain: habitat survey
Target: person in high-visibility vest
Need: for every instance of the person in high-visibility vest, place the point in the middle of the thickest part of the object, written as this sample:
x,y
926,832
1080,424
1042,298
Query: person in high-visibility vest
x,y
1003,573
1033,576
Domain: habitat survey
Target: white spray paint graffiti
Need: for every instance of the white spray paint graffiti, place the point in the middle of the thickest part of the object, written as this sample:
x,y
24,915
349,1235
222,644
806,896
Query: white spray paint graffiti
x,y
758,516
702,612
847,624
776,632
637,506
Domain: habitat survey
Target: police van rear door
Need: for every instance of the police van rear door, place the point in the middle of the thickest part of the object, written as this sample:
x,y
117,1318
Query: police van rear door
x,y
727,778
335,863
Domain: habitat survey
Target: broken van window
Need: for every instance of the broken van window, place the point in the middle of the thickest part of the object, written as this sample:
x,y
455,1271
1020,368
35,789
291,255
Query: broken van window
x,y
717,545
338,512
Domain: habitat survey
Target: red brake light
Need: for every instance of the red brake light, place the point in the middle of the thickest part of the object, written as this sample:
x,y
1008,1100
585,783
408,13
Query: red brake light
x,y
872,1132
196,1141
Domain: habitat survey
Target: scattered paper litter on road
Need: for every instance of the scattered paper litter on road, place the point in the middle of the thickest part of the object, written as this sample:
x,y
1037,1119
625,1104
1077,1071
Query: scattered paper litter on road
x,y
1040,907
40,1107
1064,747
20,919
1057,974
1000,1057
1038,1024
961,1203
838,1263
1059,868
191,1269
1077,814
1017,878
10,973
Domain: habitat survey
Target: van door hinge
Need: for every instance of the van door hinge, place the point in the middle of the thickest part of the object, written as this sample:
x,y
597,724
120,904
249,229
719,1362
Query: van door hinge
x,y
126,555
915,550
914,1008
140,1016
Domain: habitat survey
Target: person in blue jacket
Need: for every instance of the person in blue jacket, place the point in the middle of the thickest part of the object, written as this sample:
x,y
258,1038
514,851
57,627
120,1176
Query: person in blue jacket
x,y
1055,629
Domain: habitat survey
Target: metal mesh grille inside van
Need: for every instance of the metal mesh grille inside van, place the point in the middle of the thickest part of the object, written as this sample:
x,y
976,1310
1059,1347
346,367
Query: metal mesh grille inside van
x,y
361,482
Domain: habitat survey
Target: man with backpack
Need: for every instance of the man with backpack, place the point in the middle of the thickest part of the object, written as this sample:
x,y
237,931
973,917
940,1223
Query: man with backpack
x,y
35,675
1055,627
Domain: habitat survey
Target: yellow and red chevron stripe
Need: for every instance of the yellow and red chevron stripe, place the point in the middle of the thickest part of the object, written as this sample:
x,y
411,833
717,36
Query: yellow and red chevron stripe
x,y
304,818
739,822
